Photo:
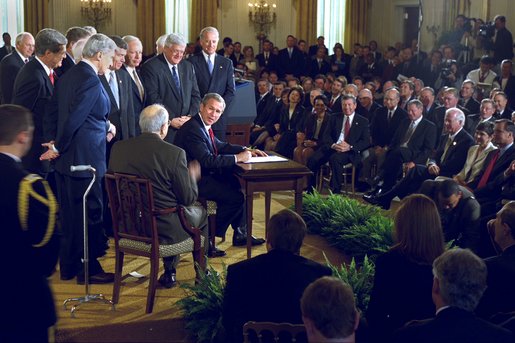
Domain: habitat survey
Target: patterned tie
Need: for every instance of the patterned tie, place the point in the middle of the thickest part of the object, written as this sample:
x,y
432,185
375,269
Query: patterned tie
x,y
51,77
114,88
346,130
210,65
212,136
141,90
484,179
408,134
176,79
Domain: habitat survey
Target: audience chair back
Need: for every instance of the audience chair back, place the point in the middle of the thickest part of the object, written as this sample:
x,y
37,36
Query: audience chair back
x,y
135,229
273,332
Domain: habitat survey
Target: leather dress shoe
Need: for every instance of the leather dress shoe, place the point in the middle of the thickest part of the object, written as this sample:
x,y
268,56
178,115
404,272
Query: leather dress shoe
x,y
215,252
167,280
377,201
98,278
67,276
241,240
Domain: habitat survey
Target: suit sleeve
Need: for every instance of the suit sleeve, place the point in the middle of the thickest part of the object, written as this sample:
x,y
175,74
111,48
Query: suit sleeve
x,y
363,141
421,155
470,224
183,186
25,92
230,86
195,93
150,78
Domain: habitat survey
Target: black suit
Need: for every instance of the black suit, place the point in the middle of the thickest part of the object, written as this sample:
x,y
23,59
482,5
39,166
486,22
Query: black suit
x,y
503,45
438,117
368,72
160,88
66,64
276,281
336,104
315,68
370,113
9,68
33,89
218,182
493,188
138,102
453,325
382,129
269,64
509,89
4,51
472,121
358,138
472,105
288,128
221,82
26,263
293,65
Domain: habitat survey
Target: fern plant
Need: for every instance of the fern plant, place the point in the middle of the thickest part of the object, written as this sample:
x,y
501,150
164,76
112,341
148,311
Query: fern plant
x,y
202,305
360,278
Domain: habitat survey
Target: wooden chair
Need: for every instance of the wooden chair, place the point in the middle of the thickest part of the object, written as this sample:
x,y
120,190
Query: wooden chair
x,y
135,229
274,332
349,170
210,207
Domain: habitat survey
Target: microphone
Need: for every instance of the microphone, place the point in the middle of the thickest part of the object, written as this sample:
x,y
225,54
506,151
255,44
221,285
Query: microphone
x,y
82,168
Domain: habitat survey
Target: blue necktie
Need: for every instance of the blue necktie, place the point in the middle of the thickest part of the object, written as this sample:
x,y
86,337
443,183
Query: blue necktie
x,y
210,65
114,88
176,78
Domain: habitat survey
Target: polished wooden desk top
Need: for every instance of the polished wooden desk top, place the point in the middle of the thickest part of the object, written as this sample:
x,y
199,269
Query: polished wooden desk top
x,y
266,169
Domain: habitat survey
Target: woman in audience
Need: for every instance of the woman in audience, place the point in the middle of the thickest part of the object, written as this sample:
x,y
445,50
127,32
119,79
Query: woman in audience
x,y
249,60
291,120
307,140
477,154
403,276
338,62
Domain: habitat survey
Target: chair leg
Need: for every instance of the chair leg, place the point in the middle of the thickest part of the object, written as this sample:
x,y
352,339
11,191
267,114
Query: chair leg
x,y
117,276
353,180
211,223
154,269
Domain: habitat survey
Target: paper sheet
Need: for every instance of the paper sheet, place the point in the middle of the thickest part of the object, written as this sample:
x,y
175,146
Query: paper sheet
x,y
260,159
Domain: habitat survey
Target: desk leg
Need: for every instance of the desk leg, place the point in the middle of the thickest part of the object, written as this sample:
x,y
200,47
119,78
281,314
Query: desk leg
x,y
298,195
268,198
249,200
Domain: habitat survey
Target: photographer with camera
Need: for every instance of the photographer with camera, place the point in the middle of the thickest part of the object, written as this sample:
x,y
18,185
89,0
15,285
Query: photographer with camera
x,y
503,44
450,75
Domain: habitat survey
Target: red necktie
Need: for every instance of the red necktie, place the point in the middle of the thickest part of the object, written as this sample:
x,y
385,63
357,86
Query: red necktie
x,y
212,136
331,103
484,179
51,76
346,129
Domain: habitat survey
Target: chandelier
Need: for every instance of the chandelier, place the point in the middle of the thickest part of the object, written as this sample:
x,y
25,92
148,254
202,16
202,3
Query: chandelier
x,y
95,11
262,15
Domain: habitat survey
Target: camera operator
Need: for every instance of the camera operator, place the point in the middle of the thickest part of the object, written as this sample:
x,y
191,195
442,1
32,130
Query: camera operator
x,y
475,41
503,44
450,75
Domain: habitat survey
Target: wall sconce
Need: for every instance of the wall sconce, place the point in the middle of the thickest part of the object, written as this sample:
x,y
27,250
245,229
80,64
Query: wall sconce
x,y
262,14
95,11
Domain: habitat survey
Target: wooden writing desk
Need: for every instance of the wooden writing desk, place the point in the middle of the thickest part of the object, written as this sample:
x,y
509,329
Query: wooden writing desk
x,y
267,177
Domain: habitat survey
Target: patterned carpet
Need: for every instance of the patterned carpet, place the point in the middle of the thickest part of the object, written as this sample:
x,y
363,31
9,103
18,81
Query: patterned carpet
x,y
128,323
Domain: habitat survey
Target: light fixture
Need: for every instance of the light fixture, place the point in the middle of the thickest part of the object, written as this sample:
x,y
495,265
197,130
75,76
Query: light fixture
x,y
262,14
95,11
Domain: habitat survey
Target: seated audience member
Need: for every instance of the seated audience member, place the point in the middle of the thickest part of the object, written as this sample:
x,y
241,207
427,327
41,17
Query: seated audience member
x,y
276,279
258,135
407,93
449,100
448,159
501,106
29,247
427,96
173,182
368,105
458,284
459,212
486,114
477,154
484,77
329,311
314,127
403,278
347,135
468,88
501,269
263,99
217,160
335,99
507,81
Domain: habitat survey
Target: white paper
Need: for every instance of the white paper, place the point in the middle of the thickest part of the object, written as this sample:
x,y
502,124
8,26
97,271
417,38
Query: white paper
x,y
260,159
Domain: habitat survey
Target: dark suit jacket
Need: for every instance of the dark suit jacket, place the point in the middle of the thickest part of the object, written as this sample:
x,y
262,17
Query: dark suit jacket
x,y
276,281
472,121
83,106
509,89
503,45
500,281
221,82
9,68
421,142
453,325
66,64
25,263
368,73
160,88
4,52
293,65
33,90
493,187
336,106
369,114
165,165
270,64
261,107
310,124
456,153
121,116
472,105
438,117
401,292
382,130
314,69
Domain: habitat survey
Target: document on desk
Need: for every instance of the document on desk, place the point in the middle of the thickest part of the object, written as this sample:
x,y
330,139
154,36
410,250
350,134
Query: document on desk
x,y
271,158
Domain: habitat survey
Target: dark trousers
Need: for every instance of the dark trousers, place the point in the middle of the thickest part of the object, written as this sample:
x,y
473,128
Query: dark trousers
x,y
392,166
225,190
337,160
70,193
410,183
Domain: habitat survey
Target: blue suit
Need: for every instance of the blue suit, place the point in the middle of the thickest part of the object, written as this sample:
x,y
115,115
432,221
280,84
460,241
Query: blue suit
x,y
83,106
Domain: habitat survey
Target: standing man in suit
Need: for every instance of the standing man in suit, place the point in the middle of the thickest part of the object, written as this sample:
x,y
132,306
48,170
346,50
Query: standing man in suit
x,y
345,137
11,65
215,74
503,44
486,113
29,245
291,60
73,35
267,59
507,81
132,63
447,161
174,182
217,159
7,48
458,284
82,129
117,85
276,279
171,81
34,87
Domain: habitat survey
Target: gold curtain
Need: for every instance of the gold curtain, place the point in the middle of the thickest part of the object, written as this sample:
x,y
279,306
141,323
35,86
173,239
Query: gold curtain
x,y
203,13
356,12
35,15
150,23
307,21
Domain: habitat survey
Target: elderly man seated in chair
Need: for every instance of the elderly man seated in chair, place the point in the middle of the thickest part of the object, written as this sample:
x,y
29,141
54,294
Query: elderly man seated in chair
x,y
174,182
